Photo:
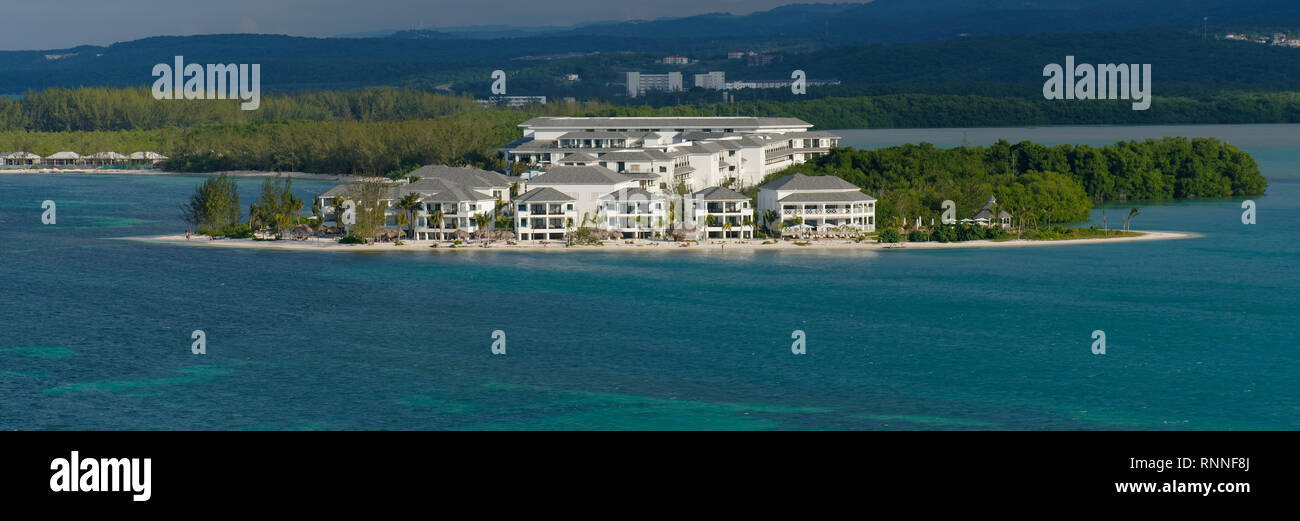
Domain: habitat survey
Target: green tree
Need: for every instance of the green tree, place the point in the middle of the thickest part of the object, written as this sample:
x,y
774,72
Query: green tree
x,y
214,205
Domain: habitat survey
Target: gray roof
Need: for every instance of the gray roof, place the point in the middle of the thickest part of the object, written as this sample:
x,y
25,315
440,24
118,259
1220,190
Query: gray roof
x,y
633,123
439,191
806,182
630,193
579,157
719,193
811,134
826,197
529,144
543,195
630,155
335,191
465,177
986,211
579,175
604,134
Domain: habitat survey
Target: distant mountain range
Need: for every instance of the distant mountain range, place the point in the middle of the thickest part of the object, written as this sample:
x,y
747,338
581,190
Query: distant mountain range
x,y
840,37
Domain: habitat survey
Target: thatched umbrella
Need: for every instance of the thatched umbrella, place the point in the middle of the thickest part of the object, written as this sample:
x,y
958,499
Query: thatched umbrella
x,y
507,235
461,234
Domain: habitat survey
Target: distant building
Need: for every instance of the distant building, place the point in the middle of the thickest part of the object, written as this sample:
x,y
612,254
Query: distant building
x,y
716,80
776,84
675,60
512,101
759,60
735,55
571,77
638,84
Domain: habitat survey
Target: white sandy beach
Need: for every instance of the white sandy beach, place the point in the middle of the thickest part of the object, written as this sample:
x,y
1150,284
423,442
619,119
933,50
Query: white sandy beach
x,y
315,244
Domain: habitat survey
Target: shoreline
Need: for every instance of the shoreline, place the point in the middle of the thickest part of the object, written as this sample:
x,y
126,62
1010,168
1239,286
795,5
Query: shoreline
x,y
330,245
150,171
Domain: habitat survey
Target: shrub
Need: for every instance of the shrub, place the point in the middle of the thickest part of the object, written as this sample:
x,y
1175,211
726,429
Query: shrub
x,y
889,235
918,236
352,239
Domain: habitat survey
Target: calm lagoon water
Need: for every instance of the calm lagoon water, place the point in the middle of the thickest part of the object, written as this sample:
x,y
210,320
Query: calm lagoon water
x,y
95,331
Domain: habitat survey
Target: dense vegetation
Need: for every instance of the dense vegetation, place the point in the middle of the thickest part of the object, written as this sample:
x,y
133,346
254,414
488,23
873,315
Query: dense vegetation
x,y
1037,182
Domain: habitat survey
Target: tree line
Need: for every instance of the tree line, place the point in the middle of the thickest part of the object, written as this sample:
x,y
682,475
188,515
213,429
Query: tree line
x,y
1032,181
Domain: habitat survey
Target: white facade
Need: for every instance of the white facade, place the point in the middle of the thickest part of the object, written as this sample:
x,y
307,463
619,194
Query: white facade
x,y
700,152
635,213
451,202
818,202
720,213
544,214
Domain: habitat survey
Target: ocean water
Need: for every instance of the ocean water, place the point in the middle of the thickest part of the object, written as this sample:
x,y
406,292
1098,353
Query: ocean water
x,y
1201,333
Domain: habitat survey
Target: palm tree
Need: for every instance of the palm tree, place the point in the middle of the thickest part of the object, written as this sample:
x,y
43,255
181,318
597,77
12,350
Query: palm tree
x,y
769,217
481,221
1128,222
436,223
726,229
409,204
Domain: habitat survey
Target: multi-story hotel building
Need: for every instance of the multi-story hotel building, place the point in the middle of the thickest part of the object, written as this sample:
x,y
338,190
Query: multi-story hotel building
x,y
699,152
819,201
543,214
720,213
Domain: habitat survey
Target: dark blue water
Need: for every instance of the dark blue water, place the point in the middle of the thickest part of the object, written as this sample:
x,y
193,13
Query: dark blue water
x,y
95,331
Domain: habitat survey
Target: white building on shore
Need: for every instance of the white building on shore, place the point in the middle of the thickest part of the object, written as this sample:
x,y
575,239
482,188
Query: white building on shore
x,y
544,214
818,202
721,213
452,201
635,213
585,185
699,152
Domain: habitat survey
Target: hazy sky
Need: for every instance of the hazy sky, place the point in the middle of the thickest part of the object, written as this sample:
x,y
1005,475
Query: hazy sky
x,y
56,24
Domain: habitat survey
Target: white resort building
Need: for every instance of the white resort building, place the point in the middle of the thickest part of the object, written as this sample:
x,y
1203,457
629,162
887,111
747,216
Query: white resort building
x,y
696,151
543,214
721,213
635,213
452,200
818,202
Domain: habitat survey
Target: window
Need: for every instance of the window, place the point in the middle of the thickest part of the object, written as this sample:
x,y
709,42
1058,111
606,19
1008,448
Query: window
x,y
523,208
569,207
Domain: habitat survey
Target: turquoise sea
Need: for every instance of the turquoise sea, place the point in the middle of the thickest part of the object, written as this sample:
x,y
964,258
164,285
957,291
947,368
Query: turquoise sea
x,y
1201,333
